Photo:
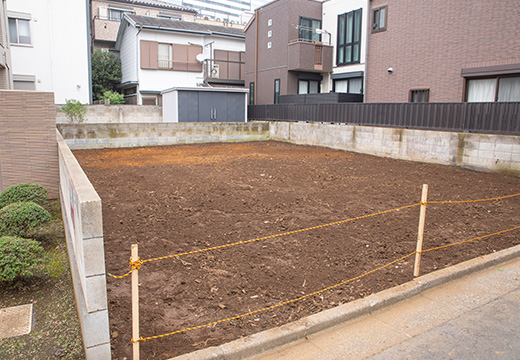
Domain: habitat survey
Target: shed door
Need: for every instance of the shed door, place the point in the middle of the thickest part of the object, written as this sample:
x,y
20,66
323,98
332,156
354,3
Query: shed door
x,y
213,107
236,107
188,106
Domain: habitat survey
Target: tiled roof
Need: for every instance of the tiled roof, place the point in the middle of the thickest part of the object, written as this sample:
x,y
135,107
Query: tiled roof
x,y
184,26
161,4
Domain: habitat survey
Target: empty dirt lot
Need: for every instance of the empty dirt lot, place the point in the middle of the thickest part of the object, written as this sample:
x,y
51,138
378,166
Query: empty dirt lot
x,y
175,199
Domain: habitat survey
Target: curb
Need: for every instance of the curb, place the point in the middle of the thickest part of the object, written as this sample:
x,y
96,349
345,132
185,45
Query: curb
x,y
269,339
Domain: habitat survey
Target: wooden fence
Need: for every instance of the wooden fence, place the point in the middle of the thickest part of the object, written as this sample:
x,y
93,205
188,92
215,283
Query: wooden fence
x,y
497,117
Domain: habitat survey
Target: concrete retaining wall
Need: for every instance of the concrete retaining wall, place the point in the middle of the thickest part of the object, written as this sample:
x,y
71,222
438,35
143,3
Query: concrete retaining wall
x,y
110,114
496,153
82,219
95,136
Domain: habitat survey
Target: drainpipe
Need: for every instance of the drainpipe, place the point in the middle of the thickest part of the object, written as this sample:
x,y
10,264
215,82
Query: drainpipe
x,y
137,60
256,57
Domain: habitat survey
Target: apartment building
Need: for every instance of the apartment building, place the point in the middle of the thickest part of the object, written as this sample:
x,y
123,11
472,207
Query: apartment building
x,y
159,54
443,51
5,53
287,50
107,16
49,43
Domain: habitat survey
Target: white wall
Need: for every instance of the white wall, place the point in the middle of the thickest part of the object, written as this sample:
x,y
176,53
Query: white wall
x,y
158,80
58,55
128,54
331,10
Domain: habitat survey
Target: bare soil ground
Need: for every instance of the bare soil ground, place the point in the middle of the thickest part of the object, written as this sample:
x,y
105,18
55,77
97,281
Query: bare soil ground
x,y
181,198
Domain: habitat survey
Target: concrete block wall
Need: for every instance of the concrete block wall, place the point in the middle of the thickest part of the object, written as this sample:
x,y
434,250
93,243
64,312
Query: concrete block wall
x,y
96,136
28,149
484,152
82,218
109,114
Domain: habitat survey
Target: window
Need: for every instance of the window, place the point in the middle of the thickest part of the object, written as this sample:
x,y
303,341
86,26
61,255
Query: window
x,y
149,100
349,38
308,87
349,86
179,57
419,96
24,82
19,32
165,56
276,91
251,93
308,28
115,15
379,19
501,88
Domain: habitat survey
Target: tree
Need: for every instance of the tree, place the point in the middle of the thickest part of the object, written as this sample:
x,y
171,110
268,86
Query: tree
x,y
106,73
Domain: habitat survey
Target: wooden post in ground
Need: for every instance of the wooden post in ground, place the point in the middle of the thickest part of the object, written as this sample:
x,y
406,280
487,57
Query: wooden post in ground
x,y
135,304
420,233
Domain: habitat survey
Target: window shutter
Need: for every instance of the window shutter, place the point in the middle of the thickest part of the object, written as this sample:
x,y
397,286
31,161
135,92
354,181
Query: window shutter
x,y
149,54
193,63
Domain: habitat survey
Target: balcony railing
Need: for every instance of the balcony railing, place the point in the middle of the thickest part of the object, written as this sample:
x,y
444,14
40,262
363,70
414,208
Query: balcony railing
x,y
224,71
310,56
179,65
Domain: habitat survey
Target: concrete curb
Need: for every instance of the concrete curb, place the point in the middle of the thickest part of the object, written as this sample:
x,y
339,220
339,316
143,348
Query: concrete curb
x,y
267,340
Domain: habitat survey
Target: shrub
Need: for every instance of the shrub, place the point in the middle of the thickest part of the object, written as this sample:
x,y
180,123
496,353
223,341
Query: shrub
x,y
23,193
18,257
115,97
74,110
22,218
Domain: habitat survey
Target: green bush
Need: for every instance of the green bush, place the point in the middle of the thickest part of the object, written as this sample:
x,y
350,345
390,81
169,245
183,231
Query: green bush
x,y
115,97
74,110
18,257
23,193
22,218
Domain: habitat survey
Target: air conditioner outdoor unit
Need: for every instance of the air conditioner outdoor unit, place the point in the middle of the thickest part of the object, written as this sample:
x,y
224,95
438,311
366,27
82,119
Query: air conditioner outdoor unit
x,y
215,72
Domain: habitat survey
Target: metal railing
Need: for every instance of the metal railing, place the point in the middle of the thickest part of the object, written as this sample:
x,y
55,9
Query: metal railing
x,y
497,117
223,69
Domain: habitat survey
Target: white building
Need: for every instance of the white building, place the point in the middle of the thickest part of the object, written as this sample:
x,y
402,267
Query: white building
x,y
350,18
50,50
158,54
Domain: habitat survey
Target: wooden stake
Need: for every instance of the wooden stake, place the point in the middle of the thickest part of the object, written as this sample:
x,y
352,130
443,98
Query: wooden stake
x,y
135,304
420,233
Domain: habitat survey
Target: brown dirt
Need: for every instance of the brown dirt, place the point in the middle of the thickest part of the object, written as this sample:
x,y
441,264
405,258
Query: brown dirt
x,y
180,198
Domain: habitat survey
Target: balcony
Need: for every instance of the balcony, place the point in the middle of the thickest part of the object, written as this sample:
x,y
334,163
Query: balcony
x,y
310,56
224,72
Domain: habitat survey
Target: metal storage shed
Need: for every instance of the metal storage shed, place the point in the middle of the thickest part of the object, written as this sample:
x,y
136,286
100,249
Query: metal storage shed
x,y
204,105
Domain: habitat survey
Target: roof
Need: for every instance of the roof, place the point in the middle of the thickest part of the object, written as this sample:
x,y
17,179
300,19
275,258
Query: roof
x,y
159,4
148,22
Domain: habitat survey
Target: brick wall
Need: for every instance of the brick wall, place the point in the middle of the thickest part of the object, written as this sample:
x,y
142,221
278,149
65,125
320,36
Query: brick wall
x,y
427,43
28,147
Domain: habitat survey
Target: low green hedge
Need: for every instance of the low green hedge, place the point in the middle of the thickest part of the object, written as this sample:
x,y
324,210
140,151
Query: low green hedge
x,y
22,219
18,257
23,193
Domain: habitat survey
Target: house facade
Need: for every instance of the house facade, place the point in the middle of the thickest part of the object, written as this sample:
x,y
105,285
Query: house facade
x,y
288,52
107,15
346,21
159,54
441,51
50,48
6,81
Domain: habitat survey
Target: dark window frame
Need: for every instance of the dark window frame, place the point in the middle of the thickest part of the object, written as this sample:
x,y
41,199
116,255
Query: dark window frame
x,y
376,19
276,93
300,30
484,77
353,43
424,93
348,84
252,93
308,81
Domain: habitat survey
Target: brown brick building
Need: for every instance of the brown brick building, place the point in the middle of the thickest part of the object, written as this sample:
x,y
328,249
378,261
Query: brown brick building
x,y
443,51
284,52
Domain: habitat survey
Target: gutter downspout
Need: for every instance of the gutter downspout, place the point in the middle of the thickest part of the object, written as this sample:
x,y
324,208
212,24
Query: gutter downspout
x,y
137,60
256,57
